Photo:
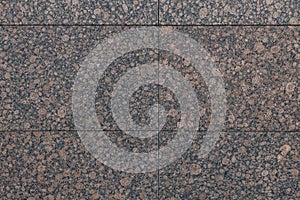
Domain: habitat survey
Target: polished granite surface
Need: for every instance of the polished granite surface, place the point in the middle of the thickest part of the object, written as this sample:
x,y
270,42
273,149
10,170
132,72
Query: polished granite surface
x,y
238,12
197,100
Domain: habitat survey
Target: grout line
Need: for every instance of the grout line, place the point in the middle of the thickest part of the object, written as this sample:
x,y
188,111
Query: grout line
x,y
199,131
158,13
134,25
158,56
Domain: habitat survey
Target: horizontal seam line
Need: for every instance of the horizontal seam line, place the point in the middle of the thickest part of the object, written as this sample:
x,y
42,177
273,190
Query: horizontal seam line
x,y
159,25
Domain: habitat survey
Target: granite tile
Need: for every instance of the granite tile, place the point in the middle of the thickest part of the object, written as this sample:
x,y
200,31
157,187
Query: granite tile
x,y
74,12
258,67
242,165
43,69
57,165
200,12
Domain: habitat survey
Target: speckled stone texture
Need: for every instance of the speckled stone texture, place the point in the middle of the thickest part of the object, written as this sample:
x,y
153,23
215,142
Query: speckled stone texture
x,y
72,12
238,12
56,165
39,65
43,155
259,65
243,165
260,68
